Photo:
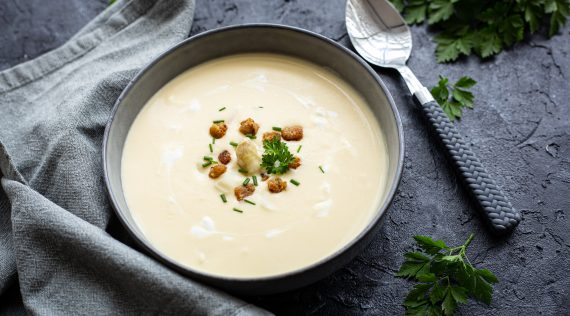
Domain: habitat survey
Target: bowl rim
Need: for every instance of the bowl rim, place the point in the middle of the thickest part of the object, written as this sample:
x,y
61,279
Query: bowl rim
x,y
170,262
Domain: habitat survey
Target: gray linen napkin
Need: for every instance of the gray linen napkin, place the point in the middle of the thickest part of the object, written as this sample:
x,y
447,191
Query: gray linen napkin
x,y
54,215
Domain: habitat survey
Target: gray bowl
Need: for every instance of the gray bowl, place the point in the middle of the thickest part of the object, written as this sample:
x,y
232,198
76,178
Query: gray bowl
x,y
246,39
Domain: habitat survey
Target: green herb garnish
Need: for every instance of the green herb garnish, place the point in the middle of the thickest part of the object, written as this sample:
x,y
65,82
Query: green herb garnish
x,y
218,121
299,148
250,136
246,181
206,164
213,140
220,110
207,158
322,170
211,148
223,197
248,201
295,182
276,158
254,180
460,97
233,144
277,129
483,27
237,210
446,278
242,170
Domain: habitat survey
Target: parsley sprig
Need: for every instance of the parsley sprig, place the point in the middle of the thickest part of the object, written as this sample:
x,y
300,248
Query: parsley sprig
x,y
484,27
446,278
460,97
276,158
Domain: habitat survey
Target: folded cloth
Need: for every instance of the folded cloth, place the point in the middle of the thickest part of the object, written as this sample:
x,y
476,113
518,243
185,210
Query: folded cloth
x,y
57,239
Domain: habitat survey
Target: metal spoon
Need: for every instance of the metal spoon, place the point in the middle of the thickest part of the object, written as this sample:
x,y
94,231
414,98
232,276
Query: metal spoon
x,y
380,35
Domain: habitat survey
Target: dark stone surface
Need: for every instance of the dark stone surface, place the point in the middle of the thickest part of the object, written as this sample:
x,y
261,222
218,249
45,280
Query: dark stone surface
x,y
520,129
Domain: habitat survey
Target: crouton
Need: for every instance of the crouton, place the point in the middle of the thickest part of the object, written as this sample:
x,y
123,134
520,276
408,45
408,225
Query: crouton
x,y
248,127
294,132
218,130
243,191
276,185
225,157
273,135
217,171
295,163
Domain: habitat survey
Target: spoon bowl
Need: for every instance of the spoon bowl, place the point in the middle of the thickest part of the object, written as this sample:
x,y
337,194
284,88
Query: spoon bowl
x,y
378,33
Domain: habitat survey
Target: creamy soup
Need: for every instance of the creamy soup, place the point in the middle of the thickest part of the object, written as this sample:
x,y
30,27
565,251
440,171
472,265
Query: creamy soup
x,y
337,188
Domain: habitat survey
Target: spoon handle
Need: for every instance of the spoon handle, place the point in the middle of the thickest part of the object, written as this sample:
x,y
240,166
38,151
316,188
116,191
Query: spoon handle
x,y
496,208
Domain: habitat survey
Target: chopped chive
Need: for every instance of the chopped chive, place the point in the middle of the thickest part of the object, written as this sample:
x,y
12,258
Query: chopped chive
x,y
250,136
248,201
321,167
254,180
233,144
207,158
211,148
213,140
223,197
295,182
237,210
220,110
206,164
246,181
299,148
218,121
278,129
241,170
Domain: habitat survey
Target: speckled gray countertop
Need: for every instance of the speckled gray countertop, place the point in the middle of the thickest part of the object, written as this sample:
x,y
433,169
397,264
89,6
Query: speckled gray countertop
x,y
520,128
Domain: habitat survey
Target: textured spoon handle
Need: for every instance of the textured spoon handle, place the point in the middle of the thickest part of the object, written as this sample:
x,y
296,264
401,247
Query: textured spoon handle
x,y
495,207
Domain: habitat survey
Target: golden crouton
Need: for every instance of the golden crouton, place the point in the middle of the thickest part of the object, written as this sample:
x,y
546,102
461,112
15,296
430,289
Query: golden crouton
x,y
225,157
248,127
276,185
217,171
218,130
295,163
243,191
294,132
273,135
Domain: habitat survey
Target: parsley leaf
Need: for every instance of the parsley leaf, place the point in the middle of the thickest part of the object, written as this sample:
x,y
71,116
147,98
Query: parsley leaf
x,y
559,10
451,47
448,280
483,27
276,158
440,10
489,43
429,245
460,96
416,11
